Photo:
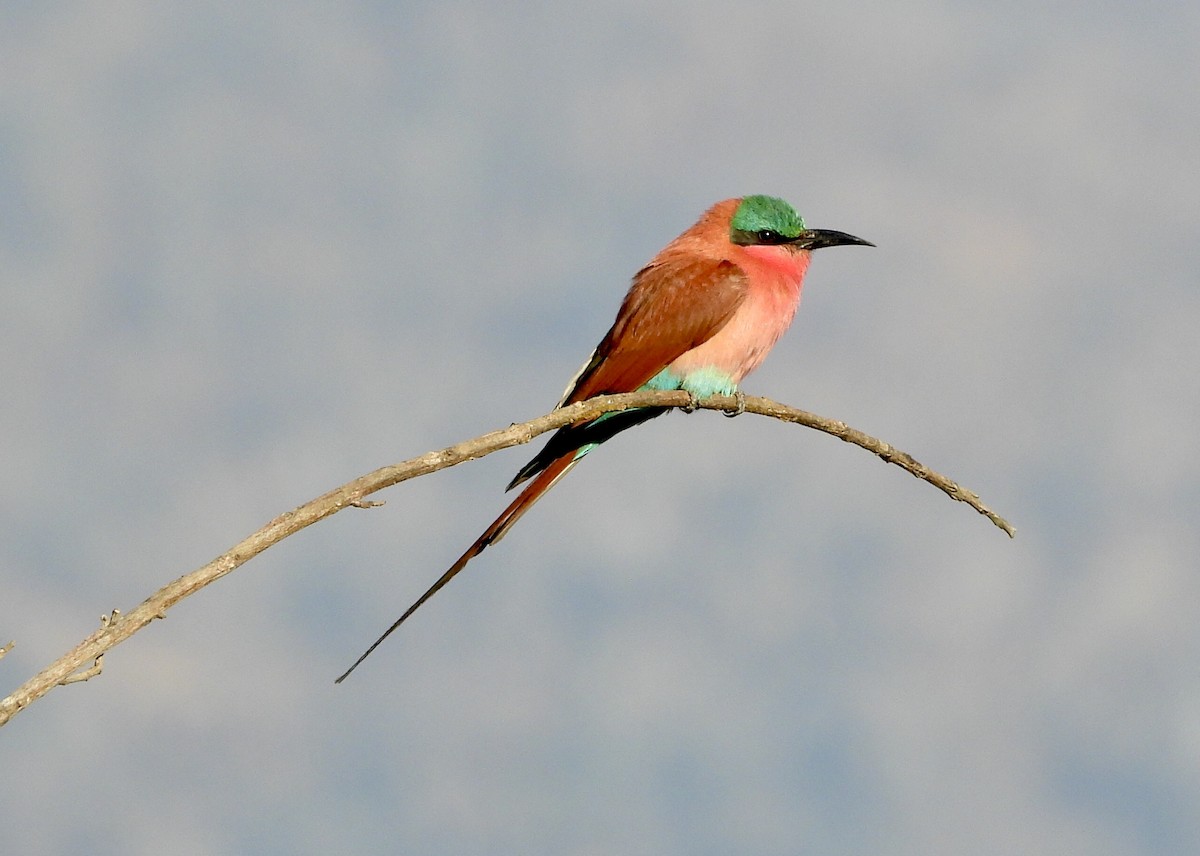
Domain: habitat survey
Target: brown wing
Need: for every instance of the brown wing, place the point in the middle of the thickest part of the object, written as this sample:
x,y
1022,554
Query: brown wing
x,y
673,306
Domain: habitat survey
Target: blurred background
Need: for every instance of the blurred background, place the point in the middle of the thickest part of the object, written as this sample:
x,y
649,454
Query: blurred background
x,y
249,252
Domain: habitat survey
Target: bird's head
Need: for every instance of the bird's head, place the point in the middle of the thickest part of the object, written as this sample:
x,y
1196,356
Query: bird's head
x,y
769,221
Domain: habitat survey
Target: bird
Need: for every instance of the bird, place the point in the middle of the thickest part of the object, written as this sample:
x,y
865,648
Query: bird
x,y
699,317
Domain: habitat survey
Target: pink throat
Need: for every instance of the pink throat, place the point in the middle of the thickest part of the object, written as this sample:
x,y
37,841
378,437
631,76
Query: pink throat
x,y
780,261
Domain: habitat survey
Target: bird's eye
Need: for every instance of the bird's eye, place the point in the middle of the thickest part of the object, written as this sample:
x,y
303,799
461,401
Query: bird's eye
x,y
768,236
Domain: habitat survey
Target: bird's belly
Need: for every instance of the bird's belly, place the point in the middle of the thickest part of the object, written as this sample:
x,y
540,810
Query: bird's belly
x,y
737,349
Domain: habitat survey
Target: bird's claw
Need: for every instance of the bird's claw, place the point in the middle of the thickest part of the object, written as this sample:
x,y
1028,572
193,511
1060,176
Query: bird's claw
x,y
693,403
741,405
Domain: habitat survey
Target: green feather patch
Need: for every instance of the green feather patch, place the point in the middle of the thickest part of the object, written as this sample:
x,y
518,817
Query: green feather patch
x,y
765,220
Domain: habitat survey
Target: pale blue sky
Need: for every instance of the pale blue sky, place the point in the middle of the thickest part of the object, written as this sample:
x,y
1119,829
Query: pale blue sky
x,y
249,252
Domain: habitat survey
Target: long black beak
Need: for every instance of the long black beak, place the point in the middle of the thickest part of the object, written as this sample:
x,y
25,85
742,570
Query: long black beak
x,y
815,239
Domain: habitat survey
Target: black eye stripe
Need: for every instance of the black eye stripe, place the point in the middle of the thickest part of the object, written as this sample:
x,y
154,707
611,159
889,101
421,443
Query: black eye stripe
x,y
758,236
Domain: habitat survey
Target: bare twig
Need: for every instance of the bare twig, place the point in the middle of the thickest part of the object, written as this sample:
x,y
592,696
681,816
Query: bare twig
x,y
98,665
86,674
118,628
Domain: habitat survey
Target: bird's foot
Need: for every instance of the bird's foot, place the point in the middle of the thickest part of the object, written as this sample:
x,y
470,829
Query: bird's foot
x,y
693,403
741,405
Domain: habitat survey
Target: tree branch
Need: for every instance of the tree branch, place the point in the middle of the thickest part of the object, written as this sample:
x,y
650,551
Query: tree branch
x,y
116,627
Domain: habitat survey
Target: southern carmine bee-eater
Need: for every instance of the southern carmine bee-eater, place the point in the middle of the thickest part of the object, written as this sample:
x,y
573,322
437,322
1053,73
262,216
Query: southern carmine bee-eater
x,y
700,317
